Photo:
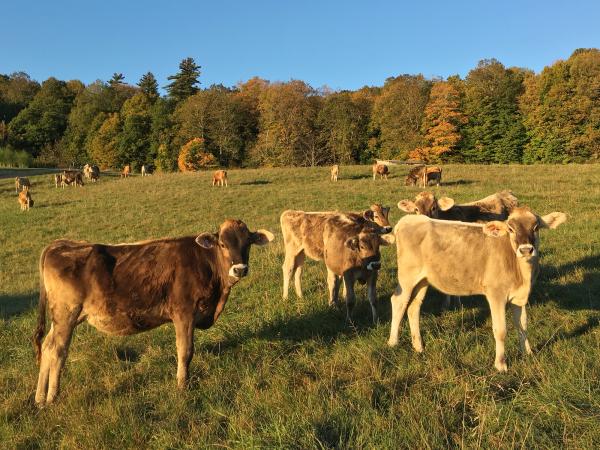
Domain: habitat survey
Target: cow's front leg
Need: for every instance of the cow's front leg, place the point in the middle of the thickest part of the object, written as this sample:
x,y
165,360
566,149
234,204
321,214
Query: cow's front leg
x,y
333,285
184,335
498,309
372,295
519,315
350,295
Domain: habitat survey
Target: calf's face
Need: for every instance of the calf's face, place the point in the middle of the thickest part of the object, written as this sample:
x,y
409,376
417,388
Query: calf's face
x,y
233,242
426,204
522,228
380,215
365,245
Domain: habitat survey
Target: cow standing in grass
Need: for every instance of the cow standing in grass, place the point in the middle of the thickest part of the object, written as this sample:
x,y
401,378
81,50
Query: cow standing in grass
x,y
380,169
335,171
129,288
126,171
219,178
25,200
498,259
21,183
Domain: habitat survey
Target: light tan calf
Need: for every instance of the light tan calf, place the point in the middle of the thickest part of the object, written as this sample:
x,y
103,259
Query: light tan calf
x,y
335,171
126,171
219,178
380,169
21,183
496,259
25,199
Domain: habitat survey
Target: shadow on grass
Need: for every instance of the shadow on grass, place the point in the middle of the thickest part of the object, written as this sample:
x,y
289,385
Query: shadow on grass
x,y
356,177
14,305
457,182
591,323
254,182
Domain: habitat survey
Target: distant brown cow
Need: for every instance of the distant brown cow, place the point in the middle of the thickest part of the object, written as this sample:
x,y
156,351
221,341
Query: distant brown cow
x,y
25,200
423,175
335,171
94,173
493,207
219,178
21,183
71,178
126,171
380,169
129,288
344,241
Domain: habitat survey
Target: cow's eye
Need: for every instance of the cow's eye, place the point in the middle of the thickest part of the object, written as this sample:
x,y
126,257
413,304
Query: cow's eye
x,y
221,245
511,230
417,210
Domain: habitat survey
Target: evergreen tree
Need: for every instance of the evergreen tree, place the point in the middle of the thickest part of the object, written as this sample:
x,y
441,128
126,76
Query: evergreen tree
x,y
184,83
149,86
117,79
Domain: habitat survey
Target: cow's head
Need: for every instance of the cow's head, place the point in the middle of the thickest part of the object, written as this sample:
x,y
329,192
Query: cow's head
x,y
522,228
380,215
426,204
232,243
365,245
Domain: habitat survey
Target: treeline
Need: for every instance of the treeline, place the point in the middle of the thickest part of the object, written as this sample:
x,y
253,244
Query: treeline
x,y
494,115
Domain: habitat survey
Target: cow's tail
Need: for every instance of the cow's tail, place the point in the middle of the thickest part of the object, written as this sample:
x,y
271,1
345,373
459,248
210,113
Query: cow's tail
x,y
41,324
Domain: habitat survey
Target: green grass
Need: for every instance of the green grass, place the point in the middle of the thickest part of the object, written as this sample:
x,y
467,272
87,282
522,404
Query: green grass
x,y
292,374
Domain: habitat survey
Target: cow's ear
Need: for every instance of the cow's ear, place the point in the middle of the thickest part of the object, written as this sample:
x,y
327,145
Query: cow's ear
x,y
445,203
262,237
369,215
495,228
352,243
407,206
552,220
387,239
207,240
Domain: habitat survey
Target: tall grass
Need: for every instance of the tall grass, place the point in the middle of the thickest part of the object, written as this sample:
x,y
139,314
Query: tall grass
x,y
293,374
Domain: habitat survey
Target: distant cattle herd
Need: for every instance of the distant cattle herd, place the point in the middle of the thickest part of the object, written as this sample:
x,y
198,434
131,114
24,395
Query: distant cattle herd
x,y
487,247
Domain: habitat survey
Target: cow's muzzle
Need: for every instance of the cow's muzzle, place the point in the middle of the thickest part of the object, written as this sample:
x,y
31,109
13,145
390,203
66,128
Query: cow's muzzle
x,y
374,265
526,251
386,230
238,270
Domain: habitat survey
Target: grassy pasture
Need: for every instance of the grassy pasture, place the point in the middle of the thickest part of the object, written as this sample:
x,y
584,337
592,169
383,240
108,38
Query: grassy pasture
x,y
292,374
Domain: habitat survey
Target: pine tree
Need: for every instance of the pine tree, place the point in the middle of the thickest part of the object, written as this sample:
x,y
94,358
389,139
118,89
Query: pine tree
x,y
149,86
185,82
117,79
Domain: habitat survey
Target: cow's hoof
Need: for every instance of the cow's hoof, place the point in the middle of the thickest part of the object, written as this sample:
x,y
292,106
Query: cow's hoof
x,y
392,343
501,366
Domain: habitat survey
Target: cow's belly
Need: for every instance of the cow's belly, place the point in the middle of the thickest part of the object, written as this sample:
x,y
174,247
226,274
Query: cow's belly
x,y
453,285
124,324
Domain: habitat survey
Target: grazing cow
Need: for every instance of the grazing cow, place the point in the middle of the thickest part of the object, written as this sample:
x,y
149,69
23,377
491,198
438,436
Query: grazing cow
x,y
423,175
71,178
94,173
498,259
493,207
129,288
21,183
317,234
220,178
25,199
335,171
126,171
147,169
380,169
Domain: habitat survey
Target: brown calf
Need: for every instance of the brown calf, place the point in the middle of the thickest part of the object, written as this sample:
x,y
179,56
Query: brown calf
x,y
335,171
25,200
129,288
126,171
380,169
21,183
219,178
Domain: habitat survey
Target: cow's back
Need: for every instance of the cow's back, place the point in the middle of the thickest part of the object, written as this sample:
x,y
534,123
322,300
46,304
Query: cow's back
x,y
305,230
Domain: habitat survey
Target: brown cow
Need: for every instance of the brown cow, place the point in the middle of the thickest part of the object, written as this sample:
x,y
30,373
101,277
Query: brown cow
x,y
306,234
380,169
57,179
71,178
25,199
493,207
335,171
219,178
129,288
94,173
21,183
423,175
498,259
126,171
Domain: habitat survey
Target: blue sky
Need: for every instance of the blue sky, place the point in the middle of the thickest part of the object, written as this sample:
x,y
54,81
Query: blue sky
x,y
341,44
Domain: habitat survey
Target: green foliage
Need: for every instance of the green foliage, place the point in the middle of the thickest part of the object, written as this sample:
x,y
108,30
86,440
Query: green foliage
x,y
16,91
104,143
14,158
149,86
134,138
185,83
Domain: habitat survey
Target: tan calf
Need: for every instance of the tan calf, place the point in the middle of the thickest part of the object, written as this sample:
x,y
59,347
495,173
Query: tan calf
x,y
25,200
380,169
498,259
21,183
219,178
126,171
335,171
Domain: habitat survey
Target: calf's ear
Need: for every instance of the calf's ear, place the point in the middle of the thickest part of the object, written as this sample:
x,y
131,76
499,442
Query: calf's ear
x,y
369,215
495,228
207,240
386,211
262,237
352,243
387,239
552,220
445,203
407,206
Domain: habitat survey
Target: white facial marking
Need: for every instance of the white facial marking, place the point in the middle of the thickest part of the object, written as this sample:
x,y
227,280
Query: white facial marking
x,y
236,266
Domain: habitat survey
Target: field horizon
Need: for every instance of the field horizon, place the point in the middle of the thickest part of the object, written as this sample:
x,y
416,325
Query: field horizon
x,y
292,374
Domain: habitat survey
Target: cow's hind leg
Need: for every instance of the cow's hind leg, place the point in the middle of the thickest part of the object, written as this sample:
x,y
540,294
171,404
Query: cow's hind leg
x,y
54,353
414,312
184,335
298,265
